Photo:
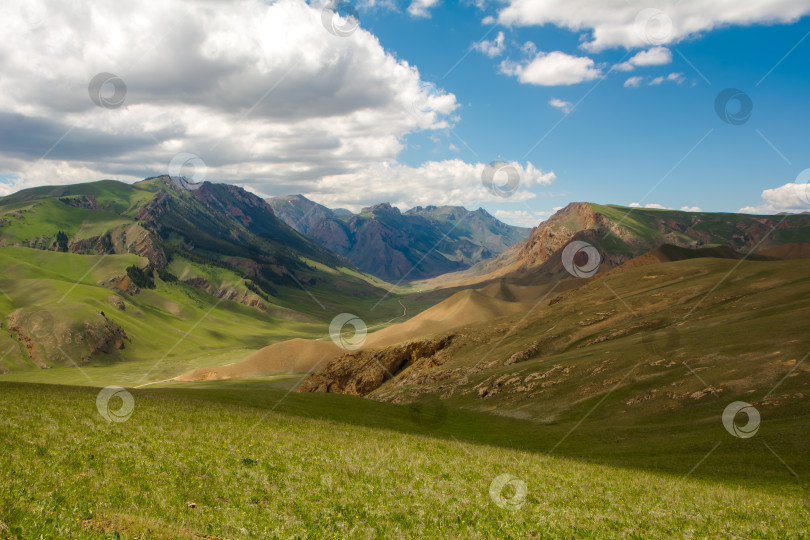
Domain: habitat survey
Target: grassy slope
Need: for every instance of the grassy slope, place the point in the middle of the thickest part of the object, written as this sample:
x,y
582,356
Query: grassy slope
x,y
44,218
157,321
356,469
721,227
638,360
173,328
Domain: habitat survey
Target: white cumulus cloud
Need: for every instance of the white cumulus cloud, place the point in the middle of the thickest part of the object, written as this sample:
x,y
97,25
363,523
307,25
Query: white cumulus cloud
x,y
453,182
654,206
265,95
564,106
522,218
791,197
492,48
622,23
633,82
421,8
553,69
657,56
677,78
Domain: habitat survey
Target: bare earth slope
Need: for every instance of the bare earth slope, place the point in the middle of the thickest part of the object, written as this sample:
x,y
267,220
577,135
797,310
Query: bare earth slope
x,y
659,340
302,356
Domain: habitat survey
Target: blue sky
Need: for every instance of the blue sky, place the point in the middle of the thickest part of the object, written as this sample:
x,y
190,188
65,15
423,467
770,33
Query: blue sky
x,y
619,142
610,101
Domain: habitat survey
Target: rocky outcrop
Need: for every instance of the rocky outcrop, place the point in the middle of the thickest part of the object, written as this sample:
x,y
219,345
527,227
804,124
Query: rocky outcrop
x,y
228,293
49,340
122,283
138,240
100,338
88,202
522,356
130,239
360,373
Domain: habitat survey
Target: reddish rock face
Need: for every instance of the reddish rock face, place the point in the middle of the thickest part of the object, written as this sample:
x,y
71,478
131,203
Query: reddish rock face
x,y
360,373
46,345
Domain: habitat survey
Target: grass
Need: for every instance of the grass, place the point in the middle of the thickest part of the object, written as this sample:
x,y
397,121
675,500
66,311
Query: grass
x,y
44,218
172,328
720,228
195,462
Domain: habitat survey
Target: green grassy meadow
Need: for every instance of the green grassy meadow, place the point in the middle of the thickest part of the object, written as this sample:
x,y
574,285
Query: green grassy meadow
x,y
248,460
171,329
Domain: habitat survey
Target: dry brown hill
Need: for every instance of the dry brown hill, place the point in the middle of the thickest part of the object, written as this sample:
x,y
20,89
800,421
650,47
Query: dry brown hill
x,y
463,308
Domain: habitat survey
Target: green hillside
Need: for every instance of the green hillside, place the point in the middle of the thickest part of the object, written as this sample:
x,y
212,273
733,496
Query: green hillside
x,y
696,229
68,290
253,461
78,263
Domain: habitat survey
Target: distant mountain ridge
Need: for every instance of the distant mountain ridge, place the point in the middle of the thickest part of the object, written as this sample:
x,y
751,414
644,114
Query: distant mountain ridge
x,y
163,248
622,233
419,243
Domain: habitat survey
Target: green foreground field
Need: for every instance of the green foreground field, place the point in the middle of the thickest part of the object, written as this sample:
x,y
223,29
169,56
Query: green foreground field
x,y
249,459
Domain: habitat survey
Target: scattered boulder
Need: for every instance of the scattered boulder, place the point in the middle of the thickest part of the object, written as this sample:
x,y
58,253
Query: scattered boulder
x,y
117,302
522,356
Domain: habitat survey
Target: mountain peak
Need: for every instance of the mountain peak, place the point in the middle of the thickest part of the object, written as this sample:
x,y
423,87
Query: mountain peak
x,y
381,209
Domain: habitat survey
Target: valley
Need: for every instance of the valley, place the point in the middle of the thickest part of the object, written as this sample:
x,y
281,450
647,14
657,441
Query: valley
x,y
404,269
617,380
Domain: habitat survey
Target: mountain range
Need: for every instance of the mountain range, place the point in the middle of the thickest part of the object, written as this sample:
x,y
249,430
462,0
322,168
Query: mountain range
x,y
622,233
116,270
422,242
105,273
